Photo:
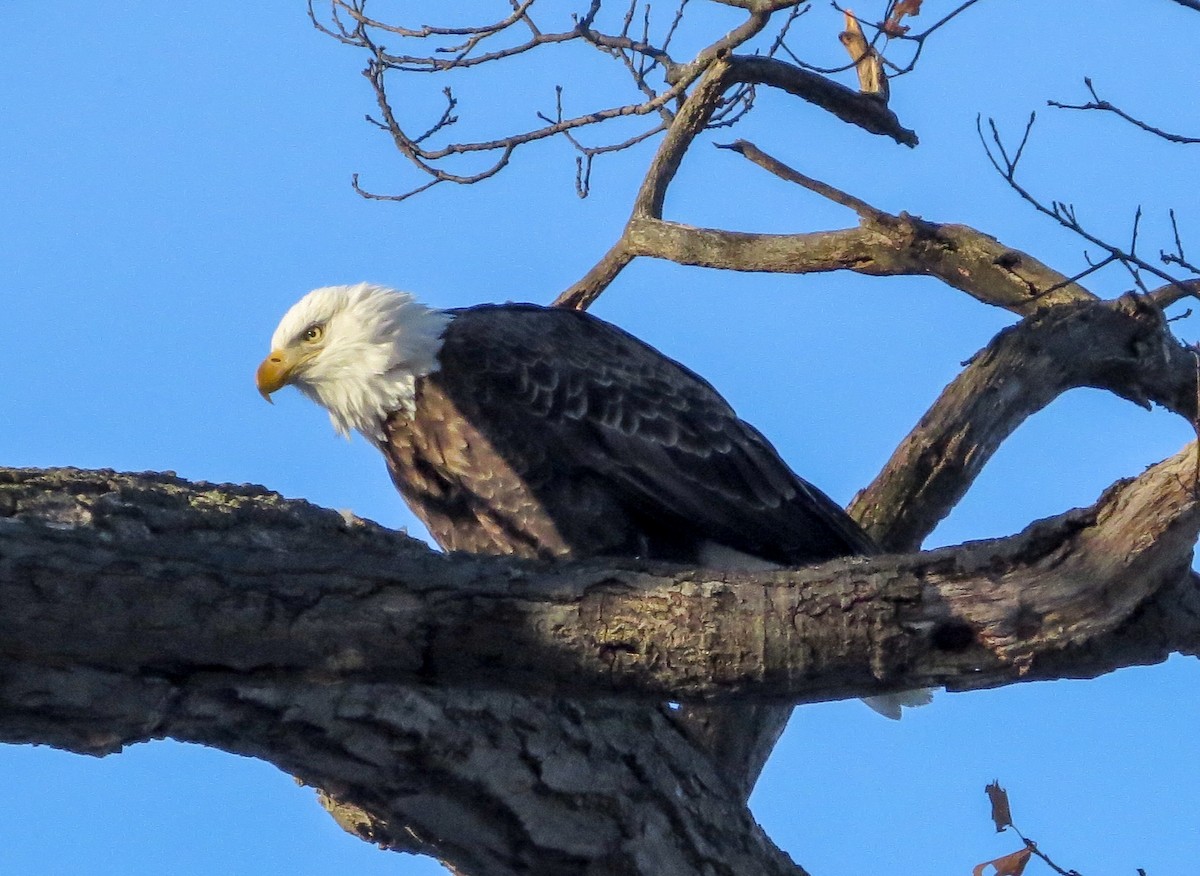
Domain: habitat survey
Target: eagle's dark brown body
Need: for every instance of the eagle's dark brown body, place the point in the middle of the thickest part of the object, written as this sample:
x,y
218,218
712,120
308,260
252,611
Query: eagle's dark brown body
x,y
550,433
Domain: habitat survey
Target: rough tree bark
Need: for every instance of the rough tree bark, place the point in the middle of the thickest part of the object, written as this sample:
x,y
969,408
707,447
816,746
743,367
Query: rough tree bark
x,y
129,572
506,717
143,606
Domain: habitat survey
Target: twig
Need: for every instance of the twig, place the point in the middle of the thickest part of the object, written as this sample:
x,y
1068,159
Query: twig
x,y
1063,213
1177,257
587,154
1033,847
1098,103
630,42
918,39
752,153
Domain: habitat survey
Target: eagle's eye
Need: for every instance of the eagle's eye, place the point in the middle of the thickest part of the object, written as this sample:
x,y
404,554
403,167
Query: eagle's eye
x,y
312,334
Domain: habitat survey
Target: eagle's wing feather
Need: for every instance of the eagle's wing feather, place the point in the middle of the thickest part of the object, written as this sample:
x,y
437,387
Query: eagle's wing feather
x,y
609,407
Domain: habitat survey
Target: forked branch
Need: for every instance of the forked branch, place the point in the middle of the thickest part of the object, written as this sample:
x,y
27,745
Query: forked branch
x,y
1123,346
882,244
638,43
1064,214
1099,104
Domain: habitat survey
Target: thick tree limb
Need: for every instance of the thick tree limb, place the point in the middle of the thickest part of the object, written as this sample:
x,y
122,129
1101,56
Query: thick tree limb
x,y
151,575
862,110
1123,346
882,245
721,73
488,782
140,607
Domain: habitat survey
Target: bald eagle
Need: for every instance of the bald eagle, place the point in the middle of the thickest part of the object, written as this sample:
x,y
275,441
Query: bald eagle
x,y
538,432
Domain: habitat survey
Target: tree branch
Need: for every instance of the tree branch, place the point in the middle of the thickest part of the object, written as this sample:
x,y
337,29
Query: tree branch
x,y
905,245
772,165
882,245
862,110
211,618
144,606
1065,214
1099,104
1123,346
149,575
490,784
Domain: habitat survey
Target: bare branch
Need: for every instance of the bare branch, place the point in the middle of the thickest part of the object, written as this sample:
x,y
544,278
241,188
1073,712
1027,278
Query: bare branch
x,y
780,41
692,118
1165,296
921,38
639,55
1065,214
349,23
885,31
892,245
1099,104
599,277
447,57
868,63
1177,257
1123,346
374,196
423,158
850,106
583,164
753,153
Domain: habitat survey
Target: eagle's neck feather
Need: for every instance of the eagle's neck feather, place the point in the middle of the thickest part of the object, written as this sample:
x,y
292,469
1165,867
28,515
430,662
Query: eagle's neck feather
x,y
378,347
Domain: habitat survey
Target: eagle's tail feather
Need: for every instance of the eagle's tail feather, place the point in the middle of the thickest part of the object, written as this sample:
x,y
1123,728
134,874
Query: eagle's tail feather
x,y
891,705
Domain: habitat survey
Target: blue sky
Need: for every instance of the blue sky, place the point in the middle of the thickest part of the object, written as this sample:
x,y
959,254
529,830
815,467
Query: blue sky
x,y
175,175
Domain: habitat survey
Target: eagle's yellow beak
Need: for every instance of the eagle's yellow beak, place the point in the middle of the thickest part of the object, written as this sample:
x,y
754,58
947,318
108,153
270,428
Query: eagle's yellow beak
x,y
274,372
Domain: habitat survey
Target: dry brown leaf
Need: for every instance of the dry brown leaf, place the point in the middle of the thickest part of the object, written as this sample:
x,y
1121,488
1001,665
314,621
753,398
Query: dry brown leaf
x,y
1010,865
892,27
1001,814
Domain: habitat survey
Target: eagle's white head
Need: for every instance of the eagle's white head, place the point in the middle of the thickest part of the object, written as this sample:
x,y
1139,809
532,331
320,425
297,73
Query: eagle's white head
x,y
355,350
